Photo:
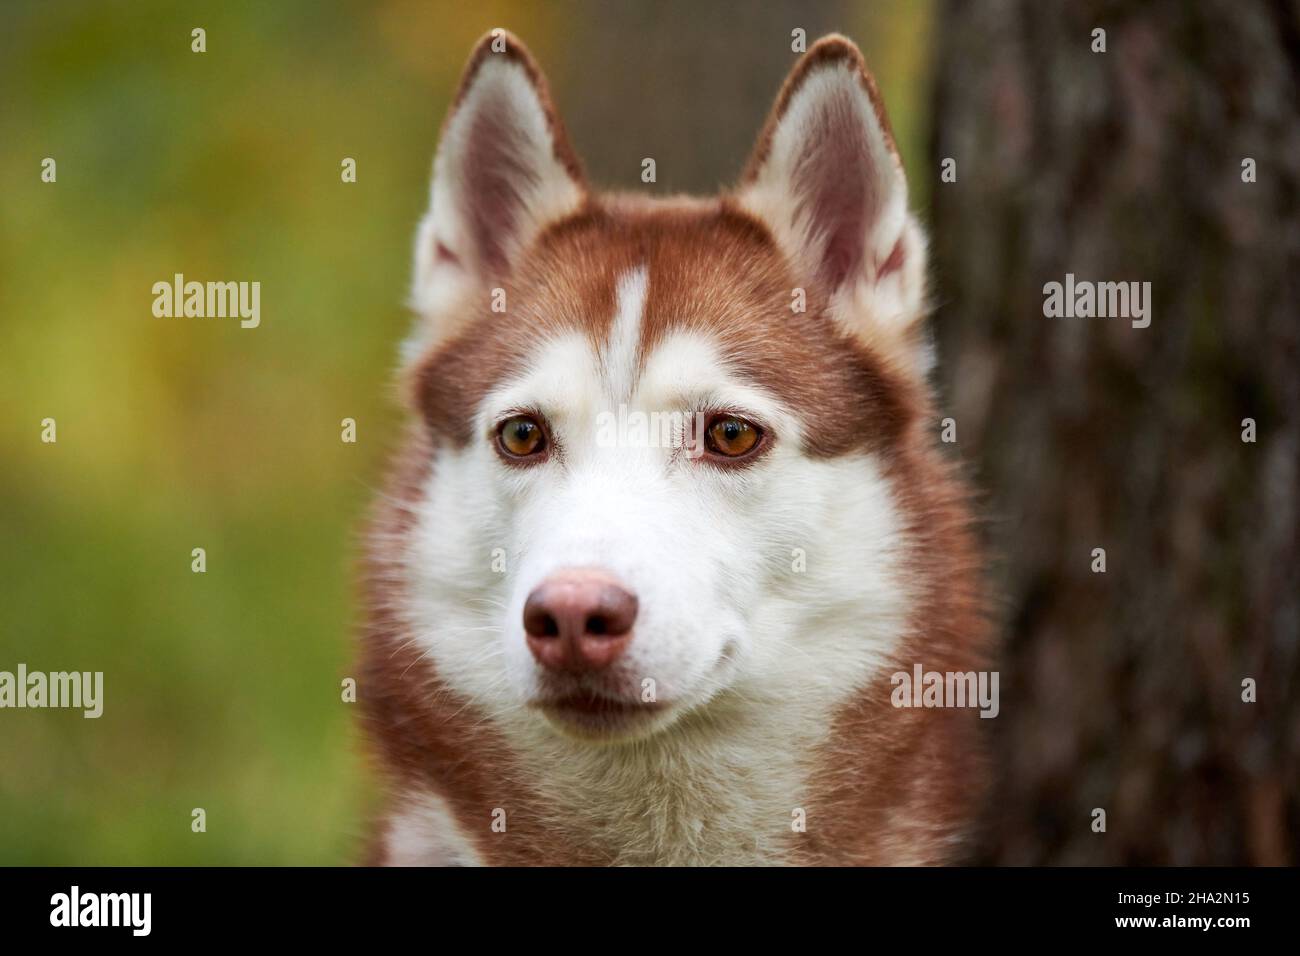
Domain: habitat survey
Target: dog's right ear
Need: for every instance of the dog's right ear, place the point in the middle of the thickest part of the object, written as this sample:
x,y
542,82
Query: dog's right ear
x,y
504,169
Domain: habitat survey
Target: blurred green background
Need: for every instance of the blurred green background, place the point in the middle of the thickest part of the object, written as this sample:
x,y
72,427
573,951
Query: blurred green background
x,y
222,688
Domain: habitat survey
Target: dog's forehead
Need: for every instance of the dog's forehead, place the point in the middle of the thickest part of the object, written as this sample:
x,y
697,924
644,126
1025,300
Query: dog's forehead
x,y
664,296
695,284
688,264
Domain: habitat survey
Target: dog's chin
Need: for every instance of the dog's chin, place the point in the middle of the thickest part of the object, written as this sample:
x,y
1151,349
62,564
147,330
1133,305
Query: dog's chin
x,y
599,718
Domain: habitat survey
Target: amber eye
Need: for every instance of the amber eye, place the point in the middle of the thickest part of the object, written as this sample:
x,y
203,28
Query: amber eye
x,y
521,436
731,437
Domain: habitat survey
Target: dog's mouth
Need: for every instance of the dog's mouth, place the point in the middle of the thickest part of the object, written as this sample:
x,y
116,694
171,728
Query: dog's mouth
x,y
593,714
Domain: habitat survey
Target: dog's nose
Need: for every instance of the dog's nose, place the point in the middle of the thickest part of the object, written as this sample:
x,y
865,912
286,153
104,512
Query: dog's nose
x,y
579,619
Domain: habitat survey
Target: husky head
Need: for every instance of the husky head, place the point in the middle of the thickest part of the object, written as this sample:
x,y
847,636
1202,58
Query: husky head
x,y
662,432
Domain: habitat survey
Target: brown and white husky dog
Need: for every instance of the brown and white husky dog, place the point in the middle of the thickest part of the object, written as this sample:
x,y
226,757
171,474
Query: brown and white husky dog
x,y
670,511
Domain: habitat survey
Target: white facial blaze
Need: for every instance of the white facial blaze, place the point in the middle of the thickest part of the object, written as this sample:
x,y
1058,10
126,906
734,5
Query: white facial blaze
x,y
619,357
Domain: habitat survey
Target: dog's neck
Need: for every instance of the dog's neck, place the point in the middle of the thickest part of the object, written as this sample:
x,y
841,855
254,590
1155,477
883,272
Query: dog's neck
x,y
724,785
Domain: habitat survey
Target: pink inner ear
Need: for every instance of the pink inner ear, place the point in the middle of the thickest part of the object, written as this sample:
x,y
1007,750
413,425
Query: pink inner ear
x,y
442,254
839,187
495,179
893,263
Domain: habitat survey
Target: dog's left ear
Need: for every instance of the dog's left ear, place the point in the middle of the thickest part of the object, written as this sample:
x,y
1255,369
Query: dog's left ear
x,y
826,178
504,170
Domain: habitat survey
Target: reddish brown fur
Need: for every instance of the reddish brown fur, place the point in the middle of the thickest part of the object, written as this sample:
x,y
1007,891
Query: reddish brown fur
x,y
903,785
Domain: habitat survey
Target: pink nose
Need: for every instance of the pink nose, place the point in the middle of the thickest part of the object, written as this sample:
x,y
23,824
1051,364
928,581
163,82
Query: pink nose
x,y
579,619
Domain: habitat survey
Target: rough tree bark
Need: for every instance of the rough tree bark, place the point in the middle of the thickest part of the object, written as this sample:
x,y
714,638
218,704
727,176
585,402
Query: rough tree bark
x,y
1123,690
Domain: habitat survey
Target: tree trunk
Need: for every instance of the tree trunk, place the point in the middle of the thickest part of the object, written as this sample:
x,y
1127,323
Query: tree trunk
x,y
1123,690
